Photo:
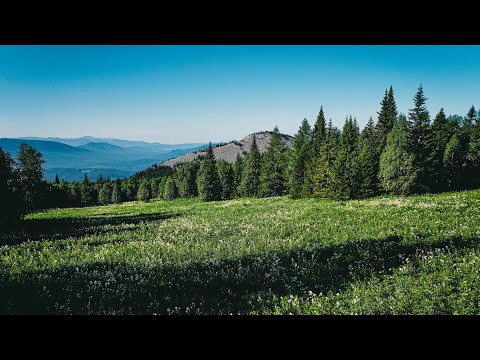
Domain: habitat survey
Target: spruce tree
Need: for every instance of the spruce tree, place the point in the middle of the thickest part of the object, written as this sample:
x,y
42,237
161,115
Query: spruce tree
x,y
86,192
143,193
398,174
297,164
436,143
419,122
251,172
170,192
208,180
117,197
273,166
225,174
237,176
105,194
30,174
386,119
318,134
154,188
186,180
57,180
11,201
368,163
453,160
323,185
345,167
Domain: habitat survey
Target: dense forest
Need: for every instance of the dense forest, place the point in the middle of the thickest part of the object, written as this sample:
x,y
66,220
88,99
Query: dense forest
x,y
398,154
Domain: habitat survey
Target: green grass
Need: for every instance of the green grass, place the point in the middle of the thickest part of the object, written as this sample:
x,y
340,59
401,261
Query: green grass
x,y
386,255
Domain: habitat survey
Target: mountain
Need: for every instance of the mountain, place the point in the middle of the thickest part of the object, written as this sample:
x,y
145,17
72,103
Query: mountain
x,y
228,152
84,140
71,163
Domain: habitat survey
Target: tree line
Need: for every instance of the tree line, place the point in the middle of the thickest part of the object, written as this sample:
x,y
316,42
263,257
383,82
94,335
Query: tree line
x,y
397,154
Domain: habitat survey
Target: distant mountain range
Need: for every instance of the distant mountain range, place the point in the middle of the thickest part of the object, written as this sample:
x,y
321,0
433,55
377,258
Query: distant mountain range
x,y
113,158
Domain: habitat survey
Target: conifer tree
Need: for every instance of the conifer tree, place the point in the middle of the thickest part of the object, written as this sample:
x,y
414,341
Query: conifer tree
x,y
398,174
323,185
273,166
117,197
318,134
57,180
436,143
297,164
186,181
453,161
30,174
143,193
153,188
386,119
368,162
251,171
208,181
105,194
11,207
419,122
237,176
225,174
170,191
86,192
345,167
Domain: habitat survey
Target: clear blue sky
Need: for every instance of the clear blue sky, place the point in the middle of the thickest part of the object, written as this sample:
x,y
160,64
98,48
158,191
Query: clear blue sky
x,y
178,94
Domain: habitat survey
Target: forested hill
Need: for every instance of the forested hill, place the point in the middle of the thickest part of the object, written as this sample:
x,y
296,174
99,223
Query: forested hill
x,y
228,152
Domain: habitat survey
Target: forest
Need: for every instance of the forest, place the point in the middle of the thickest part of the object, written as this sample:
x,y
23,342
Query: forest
x,y
397,154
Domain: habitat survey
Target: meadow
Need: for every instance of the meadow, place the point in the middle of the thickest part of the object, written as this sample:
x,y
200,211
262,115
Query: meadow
x,y
383,255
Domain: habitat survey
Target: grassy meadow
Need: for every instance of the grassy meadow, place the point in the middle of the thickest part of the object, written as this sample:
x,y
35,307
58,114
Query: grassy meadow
x,y
384,255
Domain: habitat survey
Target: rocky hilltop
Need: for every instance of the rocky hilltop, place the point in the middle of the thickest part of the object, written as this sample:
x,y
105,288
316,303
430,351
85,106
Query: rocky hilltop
x,y
228,152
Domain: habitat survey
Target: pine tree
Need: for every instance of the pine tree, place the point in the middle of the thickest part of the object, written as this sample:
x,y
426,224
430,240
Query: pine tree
x,y
323,185
318,134
250,184
237,176
419,122
225,174
454,161
345,167
273,165
105,194
398,174
86,193
208,181
153,188
117,197
57,180
30,173
186,180
435,144
297,165
11,201
170,191
386,120
368,163
143,193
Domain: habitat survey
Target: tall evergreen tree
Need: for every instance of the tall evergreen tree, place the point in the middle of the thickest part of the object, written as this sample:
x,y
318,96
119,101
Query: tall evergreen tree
x,y
117,197
273,166
318,134
186,180
144,193
453,159
105,194
208,181
57,180
323,185
225,174
237,175
170,192
345,167
398,174
250,184
11,201
297,164
368,162
419,122
87,197
30,174
436,143
386,119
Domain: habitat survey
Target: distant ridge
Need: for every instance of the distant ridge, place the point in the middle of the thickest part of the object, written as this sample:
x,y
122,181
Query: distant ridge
x,y
228,152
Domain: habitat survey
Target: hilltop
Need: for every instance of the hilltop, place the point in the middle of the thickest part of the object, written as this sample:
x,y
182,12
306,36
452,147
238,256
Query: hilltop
x,y
228,152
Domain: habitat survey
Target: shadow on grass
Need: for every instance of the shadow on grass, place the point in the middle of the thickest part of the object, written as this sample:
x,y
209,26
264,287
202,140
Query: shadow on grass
x,y
209,287
56,229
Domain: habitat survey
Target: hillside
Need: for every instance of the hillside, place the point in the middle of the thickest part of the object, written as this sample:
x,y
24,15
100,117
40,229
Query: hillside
x,y
228,152
384,255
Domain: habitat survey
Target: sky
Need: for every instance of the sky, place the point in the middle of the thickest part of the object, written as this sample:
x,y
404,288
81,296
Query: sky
x,y
184,94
